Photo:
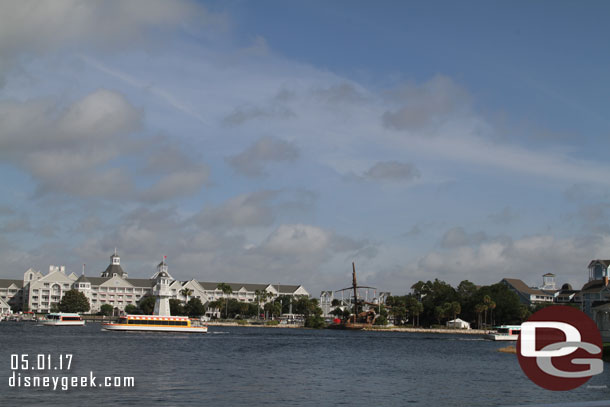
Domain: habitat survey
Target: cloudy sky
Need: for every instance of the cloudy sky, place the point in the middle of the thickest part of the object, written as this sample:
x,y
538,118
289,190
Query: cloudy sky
x,y
280,141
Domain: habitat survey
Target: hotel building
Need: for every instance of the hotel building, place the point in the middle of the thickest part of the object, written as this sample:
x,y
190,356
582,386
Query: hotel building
x,y
38,292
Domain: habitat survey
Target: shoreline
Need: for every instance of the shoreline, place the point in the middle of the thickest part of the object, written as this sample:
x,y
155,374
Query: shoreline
x,y
430,330
379,329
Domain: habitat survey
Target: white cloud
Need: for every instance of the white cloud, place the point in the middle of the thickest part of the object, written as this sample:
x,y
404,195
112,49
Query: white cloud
x,y
527,258
74,150
431,103
42,26
267,149
457,237
246,210
392,171
298,240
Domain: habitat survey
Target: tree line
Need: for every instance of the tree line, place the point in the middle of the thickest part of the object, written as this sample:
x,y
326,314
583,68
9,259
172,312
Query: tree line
x,y
265,305
435,302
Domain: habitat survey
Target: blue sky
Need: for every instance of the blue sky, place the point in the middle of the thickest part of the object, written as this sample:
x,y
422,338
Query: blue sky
x,y
278,142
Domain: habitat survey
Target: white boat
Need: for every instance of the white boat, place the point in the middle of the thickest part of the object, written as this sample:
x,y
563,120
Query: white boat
x,y
156,323
63,319
162,320
505,333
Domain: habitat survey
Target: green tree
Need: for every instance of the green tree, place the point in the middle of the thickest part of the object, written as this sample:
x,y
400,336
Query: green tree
x,y
131,309
433,294
507,309
455,308
195,308
309,308
399,314
175,307
439,313
466,290
479,309
226,290
74,301
315,322
186,292
492,307
261,298
418,308
147,304
216,304
487,301
273,308
106,310
414,308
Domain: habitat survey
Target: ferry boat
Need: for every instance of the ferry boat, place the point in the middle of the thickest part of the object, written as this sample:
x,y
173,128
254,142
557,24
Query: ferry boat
x,y
505,333
156,323
161,320
63,319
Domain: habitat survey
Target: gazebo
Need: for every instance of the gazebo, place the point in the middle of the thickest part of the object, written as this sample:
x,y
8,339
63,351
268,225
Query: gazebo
x,y
458,324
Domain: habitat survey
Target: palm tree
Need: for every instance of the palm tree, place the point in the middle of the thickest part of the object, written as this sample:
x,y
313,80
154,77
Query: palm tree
x,y
216,304
456,308
419,308
479,309
186,292
492,306
486,302
226,289
261,298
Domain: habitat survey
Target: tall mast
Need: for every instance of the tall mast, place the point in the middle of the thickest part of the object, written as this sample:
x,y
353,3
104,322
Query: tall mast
x,y
355,286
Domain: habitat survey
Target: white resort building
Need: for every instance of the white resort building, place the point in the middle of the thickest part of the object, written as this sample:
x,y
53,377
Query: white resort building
x,y
38,292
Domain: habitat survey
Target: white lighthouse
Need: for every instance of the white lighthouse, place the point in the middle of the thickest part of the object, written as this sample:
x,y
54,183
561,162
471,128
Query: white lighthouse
x,y
162,291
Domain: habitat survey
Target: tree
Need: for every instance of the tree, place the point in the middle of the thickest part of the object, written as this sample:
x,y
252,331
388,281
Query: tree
x,y
261,298
195,308
507,309
440,312
106,310
74,301
399,314
466,289
479,308
454,309
433,294
414,308
311,311
147,304
315,321
186,292
131,309
216,304
418,309
273,308
175,307
486,302
226,289
492,307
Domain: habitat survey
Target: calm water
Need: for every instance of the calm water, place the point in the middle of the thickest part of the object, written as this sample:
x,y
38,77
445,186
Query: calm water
x,y
279,367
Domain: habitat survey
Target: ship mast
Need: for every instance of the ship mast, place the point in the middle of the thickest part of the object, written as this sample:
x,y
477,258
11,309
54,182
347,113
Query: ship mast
x,y
355,287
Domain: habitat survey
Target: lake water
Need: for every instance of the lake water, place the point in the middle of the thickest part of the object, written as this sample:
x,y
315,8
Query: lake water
x,y
277,367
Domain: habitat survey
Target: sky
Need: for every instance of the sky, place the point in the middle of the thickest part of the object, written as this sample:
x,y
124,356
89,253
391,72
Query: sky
x,y
278,142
